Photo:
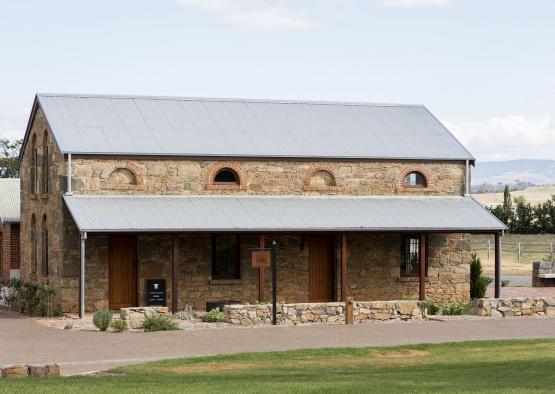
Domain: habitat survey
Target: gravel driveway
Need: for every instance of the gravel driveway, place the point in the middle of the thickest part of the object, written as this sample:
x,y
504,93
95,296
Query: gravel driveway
x,y
23,340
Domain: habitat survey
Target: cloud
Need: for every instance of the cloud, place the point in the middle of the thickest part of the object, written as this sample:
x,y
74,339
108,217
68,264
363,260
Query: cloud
x,y
416,3
250,14
506,138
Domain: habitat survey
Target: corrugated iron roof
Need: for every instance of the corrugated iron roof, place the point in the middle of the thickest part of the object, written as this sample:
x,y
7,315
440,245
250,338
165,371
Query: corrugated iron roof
x,y
9,200
181,126
124,213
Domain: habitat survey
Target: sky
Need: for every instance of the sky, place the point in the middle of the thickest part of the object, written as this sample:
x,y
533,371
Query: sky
x,y
485,68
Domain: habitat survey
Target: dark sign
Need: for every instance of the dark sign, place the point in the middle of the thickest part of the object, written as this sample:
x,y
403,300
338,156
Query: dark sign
x,y
156,292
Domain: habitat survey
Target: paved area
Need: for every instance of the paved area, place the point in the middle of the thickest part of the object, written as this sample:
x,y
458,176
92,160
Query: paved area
x,y
23,340
507,292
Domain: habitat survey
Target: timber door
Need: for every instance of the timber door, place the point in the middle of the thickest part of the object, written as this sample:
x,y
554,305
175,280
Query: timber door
x,y
320,268
122,266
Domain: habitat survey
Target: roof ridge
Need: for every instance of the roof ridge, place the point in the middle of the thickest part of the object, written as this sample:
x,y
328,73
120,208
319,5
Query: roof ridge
x,y
229,100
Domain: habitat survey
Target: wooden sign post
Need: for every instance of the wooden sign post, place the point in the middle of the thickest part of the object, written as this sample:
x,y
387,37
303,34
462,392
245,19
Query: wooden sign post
x,y
266,257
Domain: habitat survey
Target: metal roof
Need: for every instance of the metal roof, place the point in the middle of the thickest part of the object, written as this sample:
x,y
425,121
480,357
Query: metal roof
x,y
124,213
181,126
9,200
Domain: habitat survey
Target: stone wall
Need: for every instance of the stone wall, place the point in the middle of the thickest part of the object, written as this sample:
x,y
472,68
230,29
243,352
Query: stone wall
x,y
329,312
356,177
518,306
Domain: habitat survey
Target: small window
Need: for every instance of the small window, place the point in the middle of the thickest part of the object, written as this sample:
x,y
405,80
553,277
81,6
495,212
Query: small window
x,y
33,244
410,258
44,236
45,167
225,256
415,179
226,176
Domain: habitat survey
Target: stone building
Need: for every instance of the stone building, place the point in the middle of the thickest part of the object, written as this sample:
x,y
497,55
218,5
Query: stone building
x,y
9,228
361,200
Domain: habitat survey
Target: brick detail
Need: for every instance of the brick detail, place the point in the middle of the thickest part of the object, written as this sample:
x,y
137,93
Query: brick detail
x,y
407,170
236,167
9,247
133,167
322,188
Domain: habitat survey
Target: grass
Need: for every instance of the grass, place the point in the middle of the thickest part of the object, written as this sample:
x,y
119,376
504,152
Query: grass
x,y
488,366
532,194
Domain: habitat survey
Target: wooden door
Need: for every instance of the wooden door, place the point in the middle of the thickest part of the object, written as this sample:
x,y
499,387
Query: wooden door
x,y
122,271
320,268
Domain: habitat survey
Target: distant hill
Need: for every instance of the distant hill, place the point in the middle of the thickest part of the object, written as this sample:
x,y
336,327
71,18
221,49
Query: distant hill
x,y
537,172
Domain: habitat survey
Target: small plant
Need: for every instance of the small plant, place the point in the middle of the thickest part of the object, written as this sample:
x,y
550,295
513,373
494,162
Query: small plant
x,y
478,283
102,319
159,323
505,282
119,325
214,316
432,307
184,315
68,325
458,308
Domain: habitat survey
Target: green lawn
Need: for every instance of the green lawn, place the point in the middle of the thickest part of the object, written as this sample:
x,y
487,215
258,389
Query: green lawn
x,y
492,366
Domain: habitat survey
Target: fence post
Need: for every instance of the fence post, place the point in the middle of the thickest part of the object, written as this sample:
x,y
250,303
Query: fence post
x,y
519,256
489,248
551,251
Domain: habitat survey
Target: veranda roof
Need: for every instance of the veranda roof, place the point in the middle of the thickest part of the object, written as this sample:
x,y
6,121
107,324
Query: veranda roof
x,y
122,213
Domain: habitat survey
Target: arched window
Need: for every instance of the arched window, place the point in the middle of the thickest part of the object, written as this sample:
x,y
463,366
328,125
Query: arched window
x,y
34,166
44,241
45,166
415,179
33,244
322,178
226,176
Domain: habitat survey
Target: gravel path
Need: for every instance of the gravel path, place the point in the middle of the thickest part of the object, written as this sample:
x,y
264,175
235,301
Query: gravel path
x,y
24,340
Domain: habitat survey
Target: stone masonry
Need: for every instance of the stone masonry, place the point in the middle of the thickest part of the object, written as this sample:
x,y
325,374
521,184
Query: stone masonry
x,y
373,260
329,312
518,306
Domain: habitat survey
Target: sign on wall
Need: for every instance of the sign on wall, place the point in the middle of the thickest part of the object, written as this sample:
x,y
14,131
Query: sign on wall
x,y
261,258
156,292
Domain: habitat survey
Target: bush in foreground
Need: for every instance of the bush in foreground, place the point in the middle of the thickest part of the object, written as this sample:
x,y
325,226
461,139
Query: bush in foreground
x,y
119,325
214,316
102,319
159,323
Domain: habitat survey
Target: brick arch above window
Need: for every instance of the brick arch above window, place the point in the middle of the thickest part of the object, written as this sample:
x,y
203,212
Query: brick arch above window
x,y
228,165
110,180
406,171
320,178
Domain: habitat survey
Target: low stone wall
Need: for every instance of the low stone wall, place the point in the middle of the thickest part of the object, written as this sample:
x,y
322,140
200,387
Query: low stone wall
x,y
389,310
30,370
518,306
329,312
136,316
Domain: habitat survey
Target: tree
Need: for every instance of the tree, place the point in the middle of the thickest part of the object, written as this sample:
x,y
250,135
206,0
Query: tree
x,y
478,282
524,217
9,155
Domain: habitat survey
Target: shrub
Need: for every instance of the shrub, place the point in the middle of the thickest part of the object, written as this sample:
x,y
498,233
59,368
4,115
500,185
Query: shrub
x,y
159,323
183,315
119,325
505,282
478,283
32,298
432,307
458,308
214,316
102,319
